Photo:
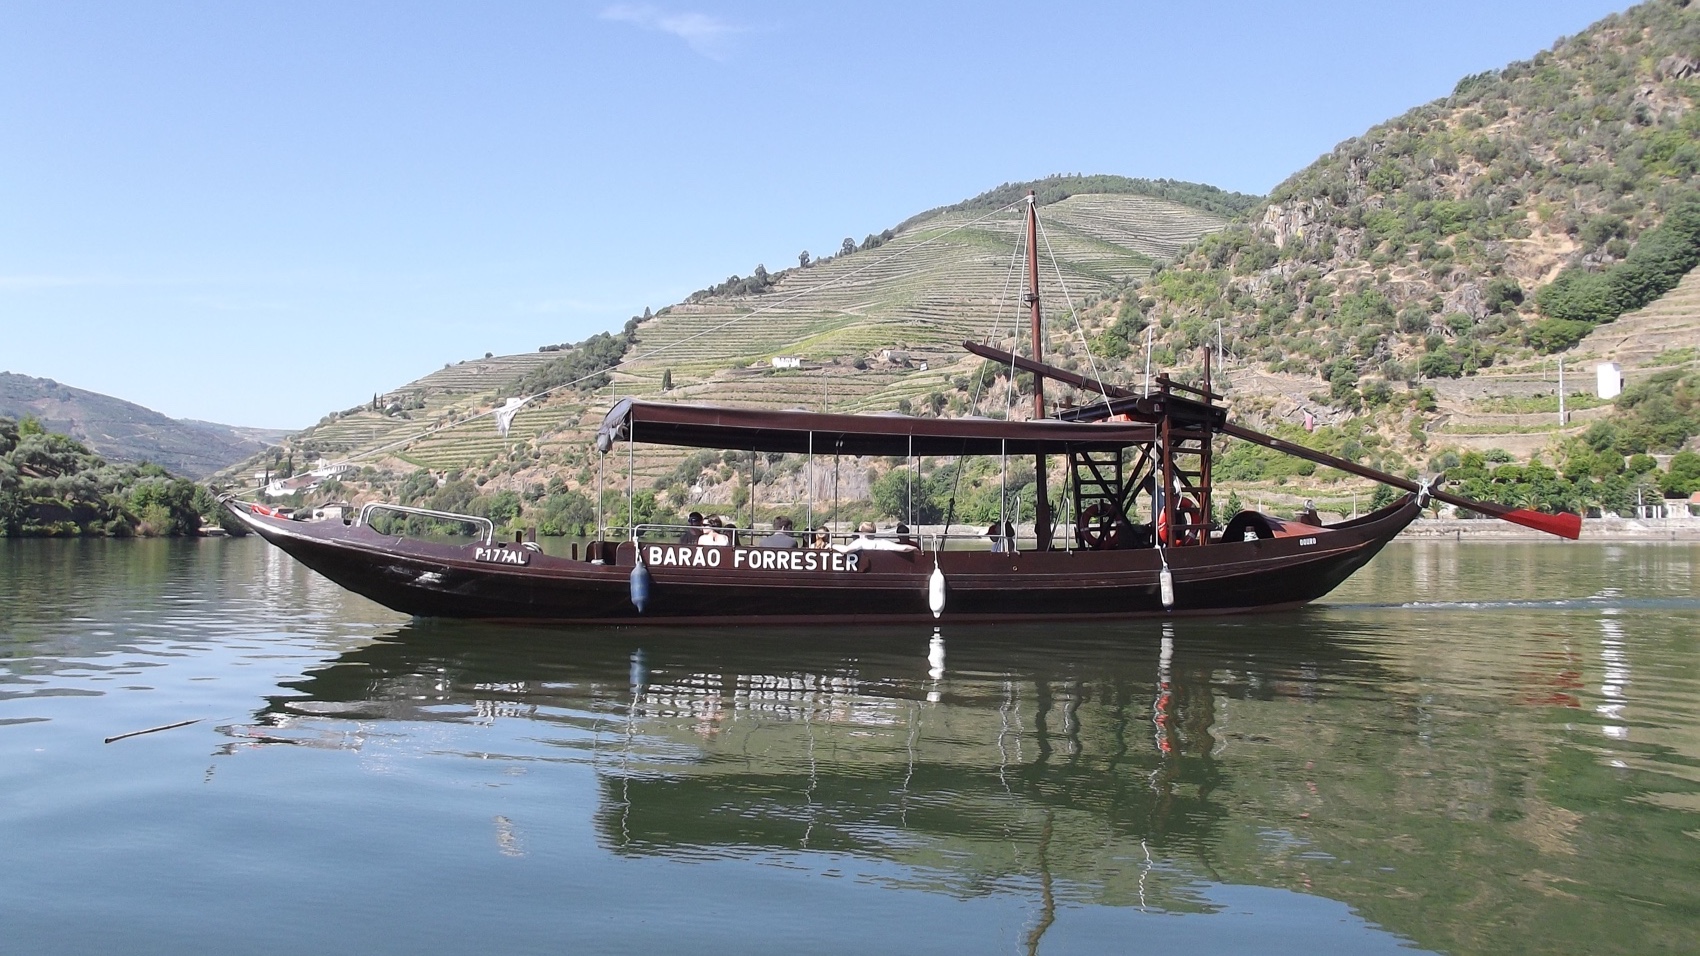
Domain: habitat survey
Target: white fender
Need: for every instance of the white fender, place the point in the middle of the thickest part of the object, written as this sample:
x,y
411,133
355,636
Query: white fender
x,y
935,591
1166,586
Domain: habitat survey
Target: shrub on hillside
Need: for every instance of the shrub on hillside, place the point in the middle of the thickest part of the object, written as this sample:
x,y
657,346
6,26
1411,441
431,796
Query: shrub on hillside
x,y
1658,414
1578,300
1683,477
585,367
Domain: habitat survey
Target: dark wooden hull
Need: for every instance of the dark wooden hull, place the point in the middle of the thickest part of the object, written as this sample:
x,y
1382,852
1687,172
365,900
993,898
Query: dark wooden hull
x,y
435,579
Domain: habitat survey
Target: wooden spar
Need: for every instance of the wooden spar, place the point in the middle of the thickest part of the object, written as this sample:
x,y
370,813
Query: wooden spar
x,y
1042,498
1562,525
1049,371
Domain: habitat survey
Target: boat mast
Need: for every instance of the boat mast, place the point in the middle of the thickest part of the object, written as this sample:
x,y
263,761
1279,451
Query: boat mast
x,y
1042,509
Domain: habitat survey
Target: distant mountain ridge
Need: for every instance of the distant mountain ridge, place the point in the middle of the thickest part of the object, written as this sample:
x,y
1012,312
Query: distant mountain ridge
x,y
124,431
1056,188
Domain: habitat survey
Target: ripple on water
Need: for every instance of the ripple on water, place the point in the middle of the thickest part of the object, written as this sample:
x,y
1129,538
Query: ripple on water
x,y
1461,754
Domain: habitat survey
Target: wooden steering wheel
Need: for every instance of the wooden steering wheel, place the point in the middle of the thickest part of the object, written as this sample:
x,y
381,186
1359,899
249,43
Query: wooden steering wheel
x,y
1096,526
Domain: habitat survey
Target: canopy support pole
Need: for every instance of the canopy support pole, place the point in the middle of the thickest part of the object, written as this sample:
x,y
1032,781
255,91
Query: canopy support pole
x,y
1003,490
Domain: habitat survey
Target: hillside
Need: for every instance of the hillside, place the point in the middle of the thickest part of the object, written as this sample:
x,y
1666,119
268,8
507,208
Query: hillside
x,y
1419,284
51,485
126,432
1418,250
1411,293
916,290
1447,221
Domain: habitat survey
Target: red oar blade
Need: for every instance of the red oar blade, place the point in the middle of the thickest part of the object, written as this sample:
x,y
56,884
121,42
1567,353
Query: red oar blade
x,y
1563,525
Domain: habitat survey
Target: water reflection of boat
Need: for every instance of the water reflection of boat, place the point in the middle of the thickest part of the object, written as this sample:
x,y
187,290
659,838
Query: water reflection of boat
x,y
1068,767
1091,767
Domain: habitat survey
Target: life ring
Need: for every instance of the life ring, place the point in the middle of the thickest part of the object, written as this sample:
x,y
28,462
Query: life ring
x,y
1096,526
1189,514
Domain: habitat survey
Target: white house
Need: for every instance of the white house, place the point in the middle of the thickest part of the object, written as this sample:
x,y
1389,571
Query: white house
x,y
1609,379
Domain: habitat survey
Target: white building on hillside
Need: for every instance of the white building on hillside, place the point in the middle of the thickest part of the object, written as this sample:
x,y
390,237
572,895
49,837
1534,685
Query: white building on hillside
x,y
1609,379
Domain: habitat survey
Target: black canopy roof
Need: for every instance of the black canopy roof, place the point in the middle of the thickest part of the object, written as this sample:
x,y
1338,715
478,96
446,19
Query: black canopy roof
x,y
767,430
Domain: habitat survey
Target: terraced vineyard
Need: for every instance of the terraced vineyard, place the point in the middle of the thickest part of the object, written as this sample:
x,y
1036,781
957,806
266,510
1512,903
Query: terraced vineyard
x,y
477,375
945,278
1665,334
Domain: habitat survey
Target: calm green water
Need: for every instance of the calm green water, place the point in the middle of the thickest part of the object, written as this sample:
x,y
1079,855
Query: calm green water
x,y
1472,748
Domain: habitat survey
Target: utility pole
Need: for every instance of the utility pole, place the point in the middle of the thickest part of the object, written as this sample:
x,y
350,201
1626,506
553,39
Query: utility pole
x,y
1148,359
1561,391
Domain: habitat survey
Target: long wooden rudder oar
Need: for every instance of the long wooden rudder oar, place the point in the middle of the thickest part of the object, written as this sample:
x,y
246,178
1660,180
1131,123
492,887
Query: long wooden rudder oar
x,y
1563,525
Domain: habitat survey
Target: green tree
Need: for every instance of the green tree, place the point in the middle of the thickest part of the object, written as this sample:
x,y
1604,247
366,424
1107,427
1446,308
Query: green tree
x,y
166,506
1683,476
1381,497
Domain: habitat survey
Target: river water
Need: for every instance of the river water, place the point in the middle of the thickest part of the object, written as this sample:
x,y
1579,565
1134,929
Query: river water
x,y
1469,748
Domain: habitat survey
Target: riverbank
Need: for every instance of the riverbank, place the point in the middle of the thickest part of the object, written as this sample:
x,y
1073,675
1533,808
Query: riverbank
x,y
1484,529
1593,529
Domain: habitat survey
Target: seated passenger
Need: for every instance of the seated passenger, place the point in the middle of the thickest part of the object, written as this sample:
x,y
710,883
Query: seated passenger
x,y
1003,538
712,535
822,539
905,538
865,541
694,532
781,536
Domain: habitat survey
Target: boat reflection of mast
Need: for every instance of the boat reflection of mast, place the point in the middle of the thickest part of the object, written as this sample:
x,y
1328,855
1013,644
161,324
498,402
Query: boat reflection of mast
x,y
1071,696
1047,896
639,681
808,706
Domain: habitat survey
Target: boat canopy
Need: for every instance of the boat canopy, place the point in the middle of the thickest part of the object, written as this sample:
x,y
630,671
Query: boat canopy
x,y
797,431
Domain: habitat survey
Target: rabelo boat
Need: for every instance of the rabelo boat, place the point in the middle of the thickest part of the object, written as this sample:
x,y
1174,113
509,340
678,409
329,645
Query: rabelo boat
x,y
1135,539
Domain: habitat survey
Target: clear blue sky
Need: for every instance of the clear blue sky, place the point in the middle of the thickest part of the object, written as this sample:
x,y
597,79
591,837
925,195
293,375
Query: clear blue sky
x,y
256,213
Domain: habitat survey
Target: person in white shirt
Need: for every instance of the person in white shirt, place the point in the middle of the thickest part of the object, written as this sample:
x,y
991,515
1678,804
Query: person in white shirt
x,y
712,533
865,541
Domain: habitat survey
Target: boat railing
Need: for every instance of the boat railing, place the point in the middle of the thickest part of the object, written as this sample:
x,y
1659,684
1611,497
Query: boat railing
x,y
749,537
676,533
488,526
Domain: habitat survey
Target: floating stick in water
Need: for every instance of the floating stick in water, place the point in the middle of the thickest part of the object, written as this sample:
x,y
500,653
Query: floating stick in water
x,y
154,730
